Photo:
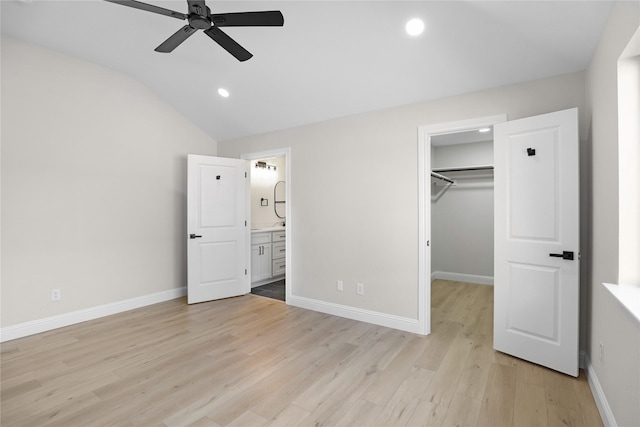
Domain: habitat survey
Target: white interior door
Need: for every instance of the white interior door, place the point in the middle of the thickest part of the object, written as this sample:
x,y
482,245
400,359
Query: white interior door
x,y
536,301
218,236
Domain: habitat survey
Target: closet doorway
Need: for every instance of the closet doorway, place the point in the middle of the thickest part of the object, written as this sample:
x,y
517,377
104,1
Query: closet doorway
x,y
536,220
462,206
456,181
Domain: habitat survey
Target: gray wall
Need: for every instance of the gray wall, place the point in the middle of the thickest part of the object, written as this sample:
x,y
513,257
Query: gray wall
x,y
356,218
608,322
93,185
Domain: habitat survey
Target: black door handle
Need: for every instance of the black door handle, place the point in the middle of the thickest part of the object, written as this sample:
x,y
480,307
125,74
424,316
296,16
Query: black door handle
x,y
194,236
564,255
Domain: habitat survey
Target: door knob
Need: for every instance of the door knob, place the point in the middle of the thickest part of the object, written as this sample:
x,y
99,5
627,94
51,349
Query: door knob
x,y
564,255
194,236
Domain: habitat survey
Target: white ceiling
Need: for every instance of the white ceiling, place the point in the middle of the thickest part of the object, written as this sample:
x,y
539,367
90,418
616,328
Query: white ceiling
x,y
331,58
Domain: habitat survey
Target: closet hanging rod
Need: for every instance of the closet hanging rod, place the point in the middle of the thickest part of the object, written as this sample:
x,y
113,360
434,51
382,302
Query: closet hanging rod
x,y
442,177
464,168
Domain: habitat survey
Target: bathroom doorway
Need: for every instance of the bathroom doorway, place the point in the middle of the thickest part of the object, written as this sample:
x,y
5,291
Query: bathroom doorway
x,y
270,223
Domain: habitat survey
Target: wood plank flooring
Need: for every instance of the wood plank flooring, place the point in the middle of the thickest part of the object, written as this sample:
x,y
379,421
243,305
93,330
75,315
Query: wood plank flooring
x,y
253,361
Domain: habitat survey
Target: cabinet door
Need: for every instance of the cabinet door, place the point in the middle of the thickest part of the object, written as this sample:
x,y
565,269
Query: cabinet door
x,y
265,261
260,262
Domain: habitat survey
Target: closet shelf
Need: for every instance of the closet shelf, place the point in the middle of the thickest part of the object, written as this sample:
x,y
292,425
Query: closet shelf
x,y
464,168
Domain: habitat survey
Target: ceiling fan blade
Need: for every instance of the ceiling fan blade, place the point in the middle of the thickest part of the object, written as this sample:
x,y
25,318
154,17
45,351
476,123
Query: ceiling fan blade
x,y
198,7
149,8
228,44
272,18
176,39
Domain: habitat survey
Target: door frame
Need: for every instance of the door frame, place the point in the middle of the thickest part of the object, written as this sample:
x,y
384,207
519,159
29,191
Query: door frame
x,y
286,153
425,133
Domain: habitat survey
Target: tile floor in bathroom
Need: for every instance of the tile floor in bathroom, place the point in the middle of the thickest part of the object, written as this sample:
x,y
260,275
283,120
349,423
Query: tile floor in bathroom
x,y
273,290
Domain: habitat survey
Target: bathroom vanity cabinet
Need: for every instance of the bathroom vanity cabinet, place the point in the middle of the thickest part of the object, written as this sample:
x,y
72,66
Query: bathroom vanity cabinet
x,y
268,254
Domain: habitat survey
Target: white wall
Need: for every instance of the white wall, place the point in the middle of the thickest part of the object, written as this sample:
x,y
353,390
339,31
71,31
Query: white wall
x,y
608,322
462,215
356,218
262,184
93,185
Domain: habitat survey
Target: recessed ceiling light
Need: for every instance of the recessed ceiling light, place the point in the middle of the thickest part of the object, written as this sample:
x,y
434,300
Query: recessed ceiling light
x,y
414,27
484,130
223,92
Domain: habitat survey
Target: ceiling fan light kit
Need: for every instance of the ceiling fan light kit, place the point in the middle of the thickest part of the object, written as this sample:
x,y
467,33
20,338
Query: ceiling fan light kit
x,y
201,18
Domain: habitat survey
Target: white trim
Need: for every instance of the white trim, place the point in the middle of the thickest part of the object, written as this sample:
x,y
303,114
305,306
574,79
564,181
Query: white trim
x,y
461,277
368,316
424,205
54,322
628,297
424,231
598,395
286,153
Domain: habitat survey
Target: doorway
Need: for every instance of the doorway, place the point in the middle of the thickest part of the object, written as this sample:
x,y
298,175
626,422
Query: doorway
x,y
270,223
536,222
462,206
427,134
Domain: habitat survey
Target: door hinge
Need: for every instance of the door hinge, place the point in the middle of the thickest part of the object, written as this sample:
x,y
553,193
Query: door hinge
x,y
245,174
245,271
245,223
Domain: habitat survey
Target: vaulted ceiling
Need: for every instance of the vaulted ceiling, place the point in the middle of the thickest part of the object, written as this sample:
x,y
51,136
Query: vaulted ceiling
x,y
330,59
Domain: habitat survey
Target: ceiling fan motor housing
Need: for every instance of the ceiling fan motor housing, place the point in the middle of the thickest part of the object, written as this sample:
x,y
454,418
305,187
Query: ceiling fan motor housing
x,y
199,22
200,19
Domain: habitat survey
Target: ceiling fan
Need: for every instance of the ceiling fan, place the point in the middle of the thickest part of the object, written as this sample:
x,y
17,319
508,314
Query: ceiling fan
x,y
201,18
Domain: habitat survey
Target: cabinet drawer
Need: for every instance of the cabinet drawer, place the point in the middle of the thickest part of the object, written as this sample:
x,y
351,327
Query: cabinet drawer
x,y
260,238
278,236
279,250
278,267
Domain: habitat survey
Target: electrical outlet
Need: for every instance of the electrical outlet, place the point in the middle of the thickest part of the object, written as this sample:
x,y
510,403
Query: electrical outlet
x,y
340,285
601,353
360,289
55,295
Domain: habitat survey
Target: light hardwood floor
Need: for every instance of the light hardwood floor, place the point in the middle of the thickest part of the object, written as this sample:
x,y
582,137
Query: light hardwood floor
x,y
252,361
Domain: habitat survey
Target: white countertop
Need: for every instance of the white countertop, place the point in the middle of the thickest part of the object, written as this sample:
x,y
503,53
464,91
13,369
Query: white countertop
x,y
267,229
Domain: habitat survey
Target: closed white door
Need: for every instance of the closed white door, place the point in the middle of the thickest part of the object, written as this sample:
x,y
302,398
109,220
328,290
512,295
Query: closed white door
x,y
218,234
537,288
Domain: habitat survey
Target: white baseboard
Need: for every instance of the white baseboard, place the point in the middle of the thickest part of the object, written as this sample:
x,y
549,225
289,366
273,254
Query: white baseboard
x,y
368,316
598,395
460,277
54,322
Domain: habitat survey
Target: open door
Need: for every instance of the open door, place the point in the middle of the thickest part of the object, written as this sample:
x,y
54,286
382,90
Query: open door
x,y
218,258
537,229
